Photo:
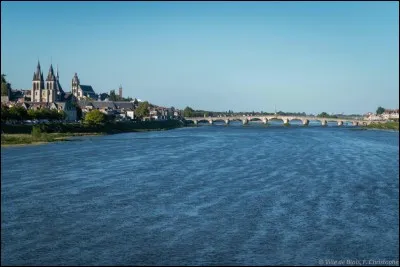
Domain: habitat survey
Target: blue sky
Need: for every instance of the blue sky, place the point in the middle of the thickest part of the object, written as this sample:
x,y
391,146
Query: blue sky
x,y
300,56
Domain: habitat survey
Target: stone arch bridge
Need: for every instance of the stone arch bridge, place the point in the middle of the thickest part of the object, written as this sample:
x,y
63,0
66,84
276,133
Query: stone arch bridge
x,y
286,119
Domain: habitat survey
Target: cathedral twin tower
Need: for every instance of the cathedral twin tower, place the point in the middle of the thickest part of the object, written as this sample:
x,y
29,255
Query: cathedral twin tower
x,y
49,91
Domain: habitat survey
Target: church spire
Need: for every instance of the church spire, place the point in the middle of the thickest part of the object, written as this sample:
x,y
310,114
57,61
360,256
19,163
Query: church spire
x,y
38,67
50,75
38,76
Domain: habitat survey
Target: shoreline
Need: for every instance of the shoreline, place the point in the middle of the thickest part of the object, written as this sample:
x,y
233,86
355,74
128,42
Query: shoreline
x,y
13,135
51,138
392,126
26,139
64,137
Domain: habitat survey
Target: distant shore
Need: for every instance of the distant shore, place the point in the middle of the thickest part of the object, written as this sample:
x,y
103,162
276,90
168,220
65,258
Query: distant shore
x,y
390,125
8,140
16,135
20,135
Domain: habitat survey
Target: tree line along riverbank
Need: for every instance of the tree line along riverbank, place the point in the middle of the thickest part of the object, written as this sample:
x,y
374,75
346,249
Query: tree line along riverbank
x,y
49,132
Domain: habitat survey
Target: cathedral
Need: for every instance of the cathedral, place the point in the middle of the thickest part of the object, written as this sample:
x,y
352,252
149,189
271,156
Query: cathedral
x,y
48,91
82,91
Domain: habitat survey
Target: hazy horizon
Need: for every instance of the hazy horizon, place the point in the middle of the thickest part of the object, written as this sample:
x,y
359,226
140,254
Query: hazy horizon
x,y
242,56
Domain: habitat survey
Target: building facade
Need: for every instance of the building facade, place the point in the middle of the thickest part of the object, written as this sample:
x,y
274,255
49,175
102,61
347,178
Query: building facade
x,y
82,91
48,91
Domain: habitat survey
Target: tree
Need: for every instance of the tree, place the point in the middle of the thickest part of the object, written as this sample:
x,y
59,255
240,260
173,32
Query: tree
x,y
5,114
380,110
54,115
62,115
127,99
188,112
5,86
95,117
143,109
323,115
113,96
18,113
44,114
32,114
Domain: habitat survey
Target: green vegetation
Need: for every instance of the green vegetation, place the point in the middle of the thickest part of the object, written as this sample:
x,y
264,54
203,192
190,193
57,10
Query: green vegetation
x,y
390,125
380,110
39,134
188,112
326,115
113,96
38,138
19,113
289,113
50,132
5,86
143,109
95,117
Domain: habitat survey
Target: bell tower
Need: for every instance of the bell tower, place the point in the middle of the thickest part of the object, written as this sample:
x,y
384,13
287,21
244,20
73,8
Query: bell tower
x,y
75,85
37,85
50,92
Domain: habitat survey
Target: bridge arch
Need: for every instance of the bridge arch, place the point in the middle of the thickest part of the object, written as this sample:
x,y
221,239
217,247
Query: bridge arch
x,y
219,120
203,121
298,121
276,121
331,122
316,121
236,119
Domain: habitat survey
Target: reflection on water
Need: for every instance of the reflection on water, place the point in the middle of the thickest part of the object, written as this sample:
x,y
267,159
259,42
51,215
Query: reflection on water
x,y
205,195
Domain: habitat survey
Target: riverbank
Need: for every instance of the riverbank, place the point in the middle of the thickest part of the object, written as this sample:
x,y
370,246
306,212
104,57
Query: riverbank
x,y
29,139
391,125
36,134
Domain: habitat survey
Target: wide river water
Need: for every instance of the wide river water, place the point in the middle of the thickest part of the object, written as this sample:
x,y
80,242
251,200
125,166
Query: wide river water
x,y
209,195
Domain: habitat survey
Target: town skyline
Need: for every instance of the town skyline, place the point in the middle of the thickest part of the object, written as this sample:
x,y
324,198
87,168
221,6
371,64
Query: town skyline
x,y
151,63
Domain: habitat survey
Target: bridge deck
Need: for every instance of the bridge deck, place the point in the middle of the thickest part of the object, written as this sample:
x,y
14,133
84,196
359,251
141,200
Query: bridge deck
x,y
285,119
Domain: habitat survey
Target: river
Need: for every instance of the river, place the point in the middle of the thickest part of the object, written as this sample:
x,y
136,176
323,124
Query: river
x,y
212,195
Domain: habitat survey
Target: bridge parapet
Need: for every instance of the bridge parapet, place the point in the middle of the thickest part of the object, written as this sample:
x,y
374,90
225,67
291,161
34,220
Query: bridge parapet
x,y
286,119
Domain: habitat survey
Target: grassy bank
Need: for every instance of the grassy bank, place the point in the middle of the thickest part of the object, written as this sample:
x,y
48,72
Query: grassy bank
x,y
26,139
384,126
29,134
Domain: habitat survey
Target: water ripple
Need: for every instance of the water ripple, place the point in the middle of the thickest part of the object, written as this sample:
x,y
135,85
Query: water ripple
x,y
203,196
